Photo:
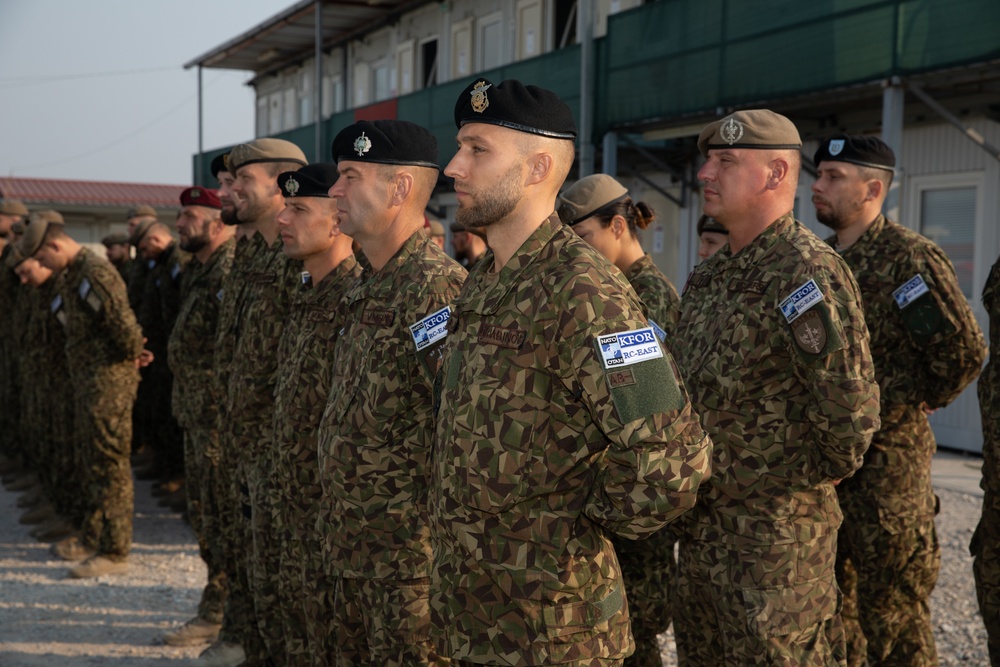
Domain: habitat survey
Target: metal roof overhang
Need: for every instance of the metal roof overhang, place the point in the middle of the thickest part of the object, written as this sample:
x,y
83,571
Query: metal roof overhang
x,y
290,37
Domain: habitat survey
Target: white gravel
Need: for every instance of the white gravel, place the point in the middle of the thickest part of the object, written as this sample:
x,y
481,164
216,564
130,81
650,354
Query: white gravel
x,y
47,619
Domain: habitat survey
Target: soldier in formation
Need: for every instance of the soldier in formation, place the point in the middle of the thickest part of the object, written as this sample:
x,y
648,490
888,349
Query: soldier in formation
x,y
927,347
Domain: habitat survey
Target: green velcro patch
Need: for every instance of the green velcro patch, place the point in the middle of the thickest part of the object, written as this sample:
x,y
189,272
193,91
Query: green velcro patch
x,y
454,368
923,317
643,389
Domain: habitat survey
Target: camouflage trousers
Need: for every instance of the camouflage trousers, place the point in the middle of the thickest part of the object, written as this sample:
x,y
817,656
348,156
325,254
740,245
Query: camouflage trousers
x,y
896,560
589,662
164,433
201,473
985,549
103,423
649,571
758,605
306,599
383,622
264,564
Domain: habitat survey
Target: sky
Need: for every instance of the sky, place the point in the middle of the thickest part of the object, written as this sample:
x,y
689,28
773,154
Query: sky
x,y
97,90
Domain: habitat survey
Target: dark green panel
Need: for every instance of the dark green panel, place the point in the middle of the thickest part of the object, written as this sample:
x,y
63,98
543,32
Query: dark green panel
x,y
749,19
934,33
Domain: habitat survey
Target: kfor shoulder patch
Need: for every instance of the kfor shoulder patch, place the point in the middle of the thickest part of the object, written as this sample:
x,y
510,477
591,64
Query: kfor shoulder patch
x,y
431,329
802,299
628,347
910,291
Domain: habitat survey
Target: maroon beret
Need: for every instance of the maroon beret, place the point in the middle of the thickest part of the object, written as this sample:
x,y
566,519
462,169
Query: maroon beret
x,y
199,196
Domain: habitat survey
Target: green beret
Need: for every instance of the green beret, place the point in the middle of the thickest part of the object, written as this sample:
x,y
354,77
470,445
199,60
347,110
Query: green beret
x,y
117,238
314,180
140,231
750,128
265,150
588,196
12,207
38,224
857,149
709,224
516,106
140,211
386,142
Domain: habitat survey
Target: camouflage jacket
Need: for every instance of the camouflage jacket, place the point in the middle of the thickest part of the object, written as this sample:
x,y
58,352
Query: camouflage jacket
x,y
161,299
663,304
135,280
191,349
553,426
125,269
103,339
270,282
305,371
774,349
927,347
376,432
44,336
989,388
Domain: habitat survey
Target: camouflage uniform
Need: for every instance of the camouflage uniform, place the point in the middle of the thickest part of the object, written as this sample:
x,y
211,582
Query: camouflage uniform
x,y
191,354
10,444
374,442
135,283
663,304
103,341
238,624
305,368
925,355
271,282
985,546
791,408
541,453
157,313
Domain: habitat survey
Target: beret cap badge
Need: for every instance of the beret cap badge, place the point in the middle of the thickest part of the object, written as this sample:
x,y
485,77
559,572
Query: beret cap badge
x,y
836,145
479,99
731,131
195,193
362,145
291,187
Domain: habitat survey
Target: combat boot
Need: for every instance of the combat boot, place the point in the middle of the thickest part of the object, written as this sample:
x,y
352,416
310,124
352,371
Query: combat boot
x,y
194,632
53,529
39,514
32,497
72,548
97,566
23,482
221,654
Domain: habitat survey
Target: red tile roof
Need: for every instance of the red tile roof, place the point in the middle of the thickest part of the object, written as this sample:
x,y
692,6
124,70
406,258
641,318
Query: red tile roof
x,y
99,193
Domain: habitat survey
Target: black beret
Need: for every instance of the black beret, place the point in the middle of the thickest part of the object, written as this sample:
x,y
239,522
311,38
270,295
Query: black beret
x,y
219,164
516,106
386,142
857,149
312,181
709,224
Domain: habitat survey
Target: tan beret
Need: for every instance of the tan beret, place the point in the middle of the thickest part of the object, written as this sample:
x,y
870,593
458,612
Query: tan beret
x,y
140,231
140,211
750,128
588,196
265,150
38,224
12,207
437,229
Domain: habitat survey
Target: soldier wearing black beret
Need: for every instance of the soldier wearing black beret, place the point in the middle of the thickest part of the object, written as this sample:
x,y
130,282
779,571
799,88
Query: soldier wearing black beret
x,y
927,347
388,353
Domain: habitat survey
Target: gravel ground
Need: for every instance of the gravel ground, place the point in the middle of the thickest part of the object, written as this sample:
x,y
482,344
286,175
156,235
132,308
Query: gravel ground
x,y
47,619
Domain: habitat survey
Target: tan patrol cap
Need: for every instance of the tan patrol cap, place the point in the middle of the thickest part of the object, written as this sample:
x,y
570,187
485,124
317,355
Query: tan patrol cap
x,y
587,196
12,207
750,128
14,257
140,231
140,211
38,224
265,150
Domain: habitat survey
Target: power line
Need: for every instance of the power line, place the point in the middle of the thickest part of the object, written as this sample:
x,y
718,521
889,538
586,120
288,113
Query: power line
x,y
9,82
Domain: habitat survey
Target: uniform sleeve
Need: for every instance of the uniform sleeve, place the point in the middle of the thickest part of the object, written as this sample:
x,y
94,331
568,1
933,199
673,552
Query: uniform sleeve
x,y
118,320
944,329
657,454
829,346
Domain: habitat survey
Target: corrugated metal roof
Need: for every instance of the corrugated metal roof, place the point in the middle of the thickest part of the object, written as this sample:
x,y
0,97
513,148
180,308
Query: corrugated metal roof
x,y
97,193
289,36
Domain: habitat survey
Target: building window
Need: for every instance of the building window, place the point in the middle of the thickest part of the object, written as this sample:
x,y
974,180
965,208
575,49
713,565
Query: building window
x,y
429,63
461,48
380,74
333,95
305,98
948,217
261,128
491,41
274,114
291,108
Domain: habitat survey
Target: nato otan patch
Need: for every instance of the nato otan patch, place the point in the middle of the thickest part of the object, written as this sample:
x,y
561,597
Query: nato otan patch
x,y
910,291
431,329
810,332
629,347
802,299
660,333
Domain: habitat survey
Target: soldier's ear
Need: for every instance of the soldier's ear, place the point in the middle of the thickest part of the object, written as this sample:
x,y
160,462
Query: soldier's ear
x,y
875,188
539,167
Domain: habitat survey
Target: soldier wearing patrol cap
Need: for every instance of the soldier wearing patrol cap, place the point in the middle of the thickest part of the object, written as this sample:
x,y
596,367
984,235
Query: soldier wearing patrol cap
x,y
119,252
774,348
601,212
927,347
103,345
261,294
711,237
310,231
195,399
562,417
220,169
377,427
